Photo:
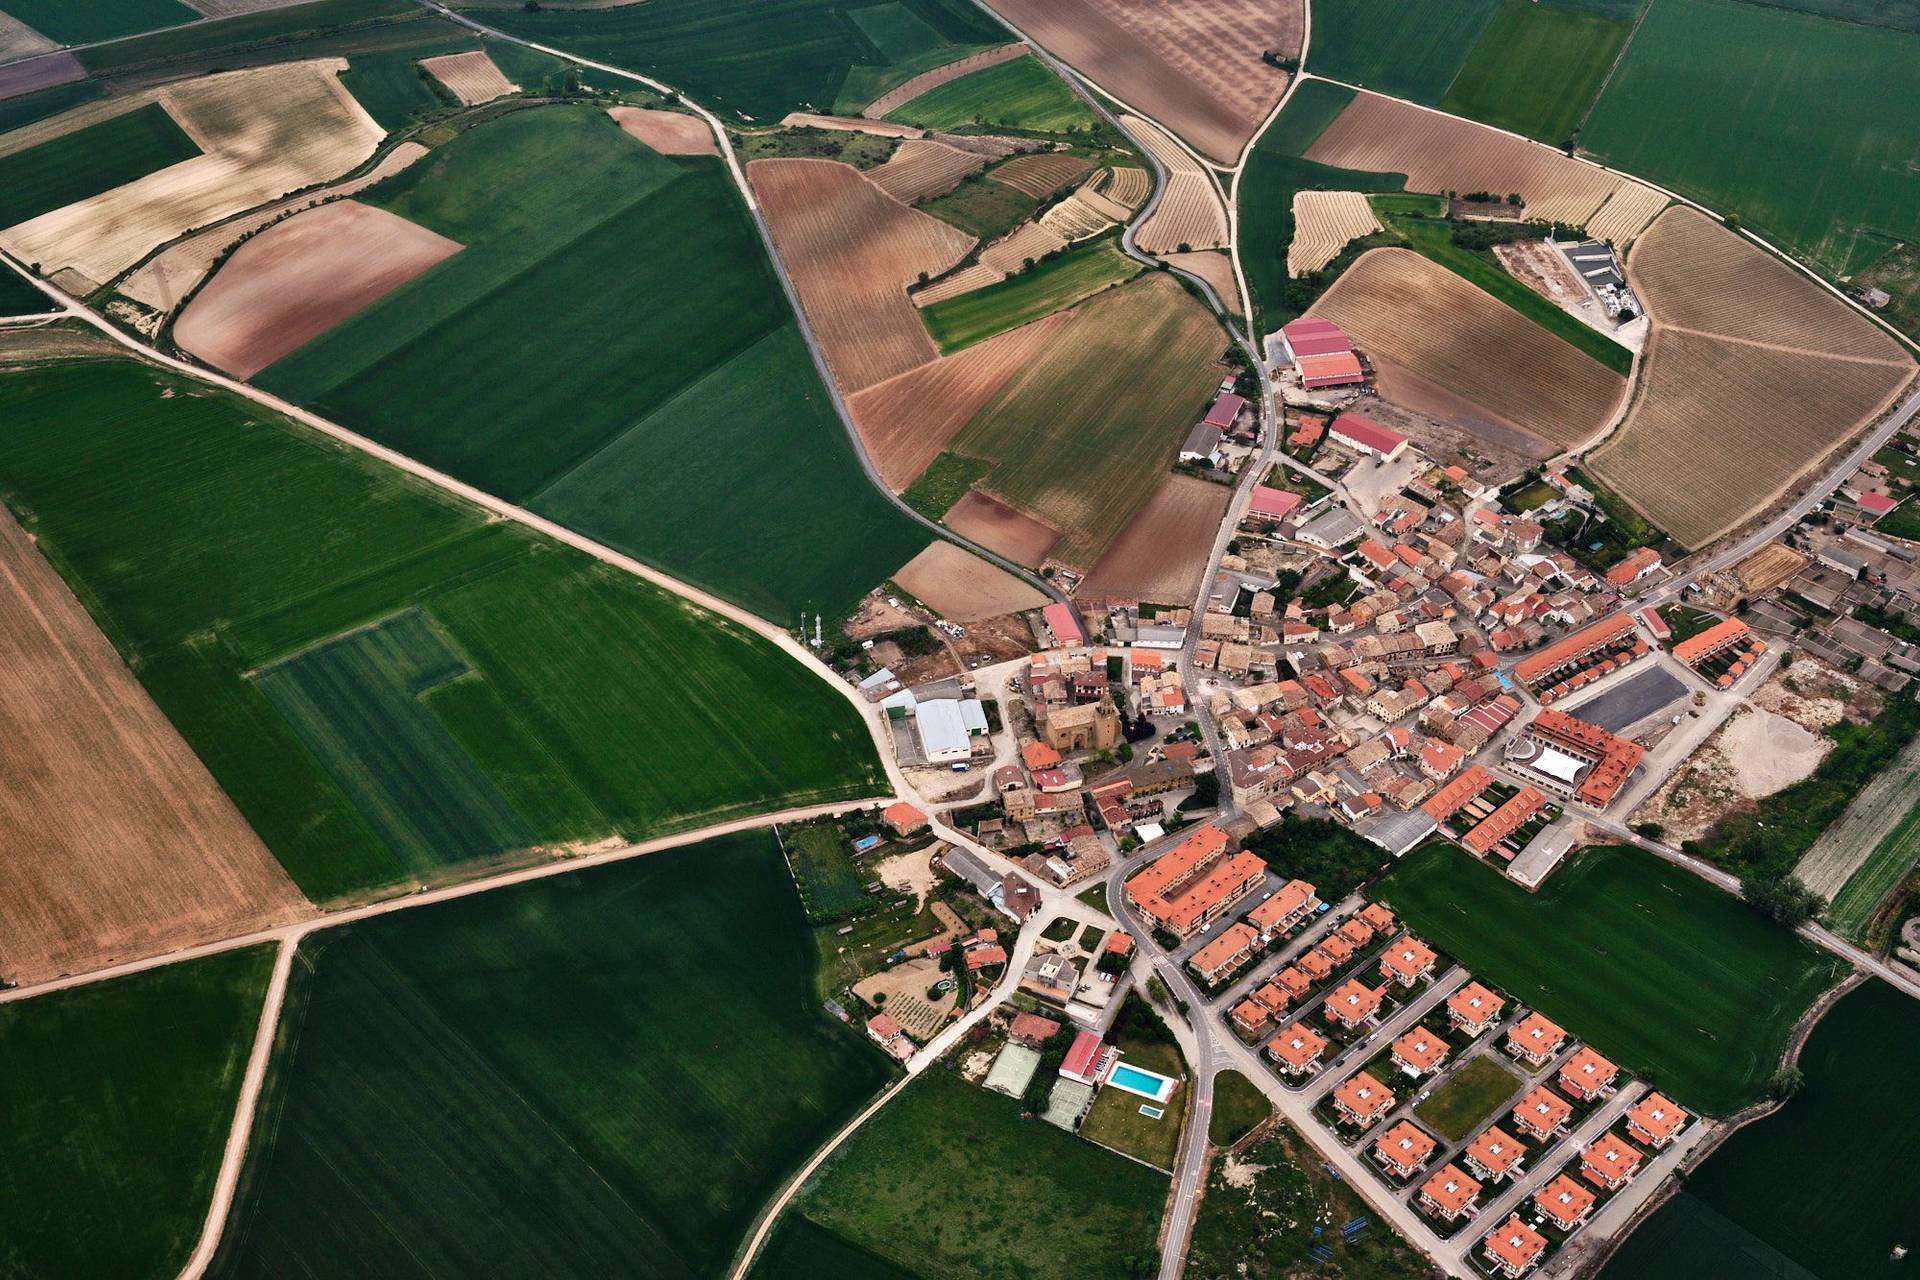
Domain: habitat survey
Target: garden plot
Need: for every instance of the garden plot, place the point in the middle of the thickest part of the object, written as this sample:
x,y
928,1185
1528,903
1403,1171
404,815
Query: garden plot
x,y
1189,215
671,133
470,77
1875,814
1323,223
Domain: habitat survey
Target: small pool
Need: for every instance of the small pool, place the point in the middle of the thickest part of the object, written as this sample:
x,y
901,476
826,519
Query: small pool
x,y
1152,1112
1150,1085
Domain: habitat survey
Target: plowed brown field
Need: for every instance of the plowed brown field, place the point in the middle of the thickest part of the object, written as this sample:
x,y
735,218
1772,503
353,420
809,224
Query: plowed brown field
x,y
906,421
999,528
1216,269
470,77
1323,223
900,95
1753,374
1039,176
1128,186
117,844
1009,254
299,278
1189,212
1194,65
852,250
961,587
1405,311
1162,553
671,133
921,167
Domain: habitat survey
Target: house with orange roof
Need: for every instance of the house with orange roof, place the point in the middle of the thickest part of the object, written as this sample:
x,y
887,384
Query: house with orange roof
x,y
1316,964
1457,794
1419,1051
1587,1076
1336,949
1377,916
1293,902
1712,642
1361,1100
1192,885
1354,1004
1222,957
1450,1194
1249,1016
1407,960
1474,1009
1494,1153
1356,931
1038,755
1273,998
1566,1203
1610,1162
1404,1150
1294,982
1504,821
1513,1248
1655,1120
1297,1049
1535,1039
1542,1114
1564,656
903,818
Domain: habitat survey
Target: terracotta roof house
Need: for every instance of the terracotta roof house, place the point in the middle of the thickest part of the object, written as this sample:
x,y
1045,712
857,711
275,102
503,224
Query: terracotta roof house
x,y
903,818
1032,1029
1315,964
1086,1058
1407,960
1293,902
1449,1194
1587,1075
1038,755
1534,1039
1250,1015
1378,916
1354,1003
1292,981
1655,1120
1356,931
1404,1149
1222,957
1565,1201
1513,1247
1419,1051
1361,1100
1272,997
1610,1162
1542,1113
1474,1009
1336,948
1297,1049
1494,1153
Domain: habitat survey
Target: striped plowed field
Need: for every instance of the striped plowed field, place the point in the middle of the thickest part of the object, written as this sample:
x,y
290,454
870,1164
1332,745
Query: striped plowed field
x,y
921,167
1216,269
470,77
1009,254
906,421
1773,565
901,94
1189,212
118,843
961,587
1444,153
1127,185
1442,347
991,145
1039,176
671,133
1752,375
850,124
965,280
1627,213
1194,65
1075,218
1323,223
852,250
982,518
1163,552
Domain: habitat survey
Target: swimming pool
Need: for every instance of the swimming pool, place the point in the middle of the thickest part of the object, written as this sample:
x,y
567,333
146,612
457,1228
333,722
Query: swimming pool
x,y
1150,1085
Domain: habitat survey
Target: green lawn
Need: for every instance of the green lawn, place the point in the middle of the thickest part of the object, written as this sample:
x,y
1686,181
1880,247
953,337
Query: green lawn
x,y
1824,1184
1407,48
763,58
1537,68
209,542
1017,94
1471,1094
661,402
821,857
83,23
1675,980
1686,622
1773,127
118,1099
1050,286
603,1073
1885,869
802,1250
949,1180
1115,1119
89,161
1238,1108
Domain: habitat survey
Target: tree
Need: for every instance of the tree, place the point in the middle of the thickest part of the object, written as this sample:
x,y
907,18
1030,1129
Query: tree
x,y
1785,900
1786,1082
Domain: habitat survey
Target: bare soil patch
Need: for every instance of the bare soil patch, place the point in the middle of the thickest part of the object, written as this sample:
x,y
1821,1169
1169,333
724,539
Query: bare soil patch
x,y
56,340
1162,553
961,587
852,250
909,873
1217,270
1001,529
671,133
1543,269
900,95
1189,215
1195,65
1816,696
38,73
852,124
470,77
118,843
299,278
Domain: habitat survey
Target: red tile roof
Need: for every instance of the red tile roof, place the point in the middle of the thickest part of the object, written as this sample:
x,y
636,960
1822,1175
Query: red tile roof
x,y
1276,504
1310,336
1574,647
1335,369
1367,432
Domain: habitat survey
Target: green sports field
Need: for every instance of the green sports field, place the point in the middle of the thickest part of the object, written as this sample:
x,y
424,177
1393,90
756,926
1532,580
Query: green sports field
x,y
950,1181
1823,1187
82,23
1536,69
763,58
1079,273
1678,982
118,1100
626,363
1775,127
218,547
604,1073
1407,48
89,161
1018,94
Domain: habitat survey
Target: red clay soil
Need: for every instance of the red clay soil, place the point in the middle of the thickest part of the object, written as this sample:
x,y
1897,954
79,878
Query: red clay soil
x,y
299,278
671,133
998,527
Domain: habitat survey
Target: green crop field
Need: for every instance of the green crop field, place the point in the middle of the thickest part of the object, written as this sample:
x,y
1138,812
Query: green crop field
x,y
251,37
947,1180
1666,975
1464,1101
803,1250
1018,94
118,1099
208,541
392,87
763,58
18,298
71,23
1082,436
629,363
1074,275
1822,1187
1407,48
1774,128
605,1073
1536,69
1890,863
1901,15
28,107
89,161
